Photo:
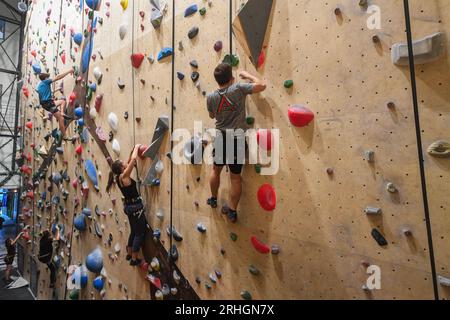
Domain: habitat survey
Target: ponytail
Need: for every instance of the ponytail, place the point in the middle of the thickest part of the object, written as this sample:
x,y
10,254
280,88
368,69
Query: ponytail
x,y
116,170
110,181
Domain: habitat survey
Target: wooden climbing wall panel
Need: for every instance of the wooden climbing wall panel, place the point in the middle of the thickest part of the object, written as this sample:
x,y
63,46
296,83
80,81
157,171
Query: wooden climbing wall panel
x,y
429,17
319,223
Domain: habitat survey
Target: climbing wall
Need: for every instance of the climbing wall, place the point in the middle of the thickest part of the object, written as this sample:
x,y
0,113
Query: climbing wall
x,y
429,18
341,71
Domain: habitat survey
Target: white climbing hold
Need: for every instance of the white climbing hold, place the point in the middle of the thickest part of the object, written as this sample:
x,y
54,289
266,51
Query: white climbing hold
x,y
444,281
390,187
116,147
92,113
425,50
113,121
123,31
159,167
98,74
159,295
160,214
176,276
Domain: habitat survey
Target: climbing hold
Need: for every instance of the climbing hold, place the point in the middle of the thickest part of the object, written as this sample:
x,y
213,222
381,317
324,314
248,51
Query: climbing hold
x,y
201,227
98,230
288,84
94,261
218,46
113,121
78,112
29,125
164,53
193,32
300,116
194,64
156,18
180,75
407,232
171,231
439,149
116,147
275,249
26,92
74,294
390,187
425,50
190,10
173,253
91,171
246,295
267,197
93,4
124,4
259,246
86,56
330,171
98,75
37,68
444,281
379,237
372,211
63,57
87,212
264,138
98,102
369,155
79,150
195,76
98,283
253,270
233,236
136,59
123,31
56,178
202,11
79,222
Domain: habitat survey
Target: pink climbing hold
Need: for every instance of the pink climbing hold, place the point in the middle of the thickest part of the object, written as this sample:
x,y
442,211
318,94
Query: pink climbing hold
x,y
259,246
75,183
79,150
267,197
98,102
63,57
300,116
136,59
264,138
72,97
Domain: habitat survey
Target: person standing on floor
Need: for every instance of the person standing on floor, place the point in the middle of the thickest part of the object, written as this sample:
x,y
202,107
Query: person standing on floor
x,y
10,245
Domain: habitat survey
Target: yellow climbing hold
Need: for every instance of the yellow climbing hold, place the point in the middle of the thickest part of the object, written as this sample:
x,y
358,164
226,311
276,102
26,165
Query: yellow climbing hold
x,y
124,4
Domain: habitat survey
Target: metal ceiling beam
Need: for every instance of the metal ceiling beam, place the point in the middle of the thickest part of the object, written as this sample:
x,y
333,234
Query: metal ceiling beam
x,y
10,7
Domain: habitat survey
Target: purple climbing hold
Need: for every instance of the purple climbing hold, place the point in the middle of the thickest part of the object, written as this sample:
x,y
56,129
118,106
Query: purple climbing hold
x,y
190,10
218,46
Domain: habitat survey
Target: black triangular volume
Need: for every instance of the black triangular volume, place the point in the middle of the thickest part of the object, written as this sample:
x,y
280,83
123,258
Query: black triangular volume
x,y
254,18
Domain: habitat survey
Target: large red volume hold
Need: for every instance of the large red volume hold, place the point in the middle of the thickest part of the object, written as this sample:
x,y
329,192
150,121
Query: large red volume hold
x,y
136,59
264,138
259,246
300,116
267,197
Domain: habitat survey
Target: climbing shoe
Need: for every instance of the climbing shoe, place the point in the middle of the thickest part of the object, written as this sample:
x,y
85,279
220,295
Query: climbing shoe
x,y
232,215
212,202
128,257
136,262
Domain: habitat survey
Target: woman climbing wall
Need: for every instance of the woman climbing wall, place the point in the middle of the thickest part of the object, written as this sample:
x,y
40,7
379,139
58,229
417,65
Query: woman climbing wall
x,y
47,244
133,205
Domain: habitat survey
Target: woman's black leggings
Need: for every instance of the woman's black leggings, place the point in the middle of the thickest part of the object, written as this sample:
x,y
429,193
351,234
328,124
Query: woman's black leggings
x,y
138,227
52,268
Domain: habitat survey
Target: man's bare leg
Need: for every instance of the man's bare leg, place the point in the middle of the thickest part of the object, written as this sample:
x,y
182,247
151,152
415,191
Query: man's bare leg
x,y
214,181
60,120
236,190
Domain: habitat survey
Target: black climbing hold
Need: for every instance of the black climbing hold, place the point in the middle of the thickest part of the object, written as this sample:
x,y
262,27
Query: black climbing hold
x,y
195,76
193,32
180,75
194,64
379,238
198,280
171,231
173,254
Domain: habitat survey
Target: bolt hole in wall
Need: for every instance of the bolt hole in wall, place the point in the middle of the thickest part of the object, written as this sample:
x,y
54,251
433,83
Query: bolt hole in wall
x,y
342,217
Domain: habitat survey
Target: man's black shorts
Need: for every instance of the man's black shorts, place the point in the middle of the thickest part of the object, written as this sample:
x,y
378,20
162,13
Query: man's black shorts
x,y
49,106
234,160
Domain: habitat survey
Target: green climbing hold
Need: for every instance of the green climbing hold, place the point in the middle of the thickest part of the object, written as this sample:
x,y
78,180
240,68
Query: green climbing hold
x,y
231,59
250,120
202,11
288,84
91,15
253,270
74,294
258,168
75,71
246,295
233,236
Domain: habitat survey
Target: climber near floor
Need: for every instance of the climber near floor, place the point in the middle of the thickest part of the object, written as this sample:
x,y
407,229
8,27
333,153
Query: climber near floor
x,y
10,246
227,106
55,107
133,204
46,246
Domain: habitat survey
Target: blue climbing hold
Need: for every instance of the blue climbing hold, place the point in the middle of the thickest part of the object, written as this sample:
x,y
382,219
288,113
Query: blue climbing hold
x,y
87,53
79,112
91,172
78,38
80,122
60,150
190,10
94,261
37,68
84,135
180,75
79,222
99,283
56,178
93,4
93,87
80,277
164,53
87,212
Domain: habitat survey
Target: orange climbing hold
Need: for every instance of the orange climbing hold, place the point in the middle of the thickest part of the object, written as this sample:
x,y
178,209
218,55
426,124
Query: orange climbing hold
x,y
136,59
300,116
259,246
267,197
26,92
30,194
264,138
33,53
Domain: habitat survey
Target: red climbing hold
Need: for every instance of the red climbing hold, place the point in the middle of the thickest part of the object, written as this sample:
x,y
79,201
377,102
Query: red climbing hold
x,y
267,197
79,150
33,53
300,116
30,194
136,59
25,169
144,266
264,138
26,92
259,246
262,58
98,102
72,97
29,125
141,150
75,183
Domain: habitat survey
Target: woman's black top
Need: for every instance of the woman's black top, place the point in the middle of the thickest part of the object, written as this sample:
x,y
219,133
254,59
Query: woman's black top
x,y
45,249
130,192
